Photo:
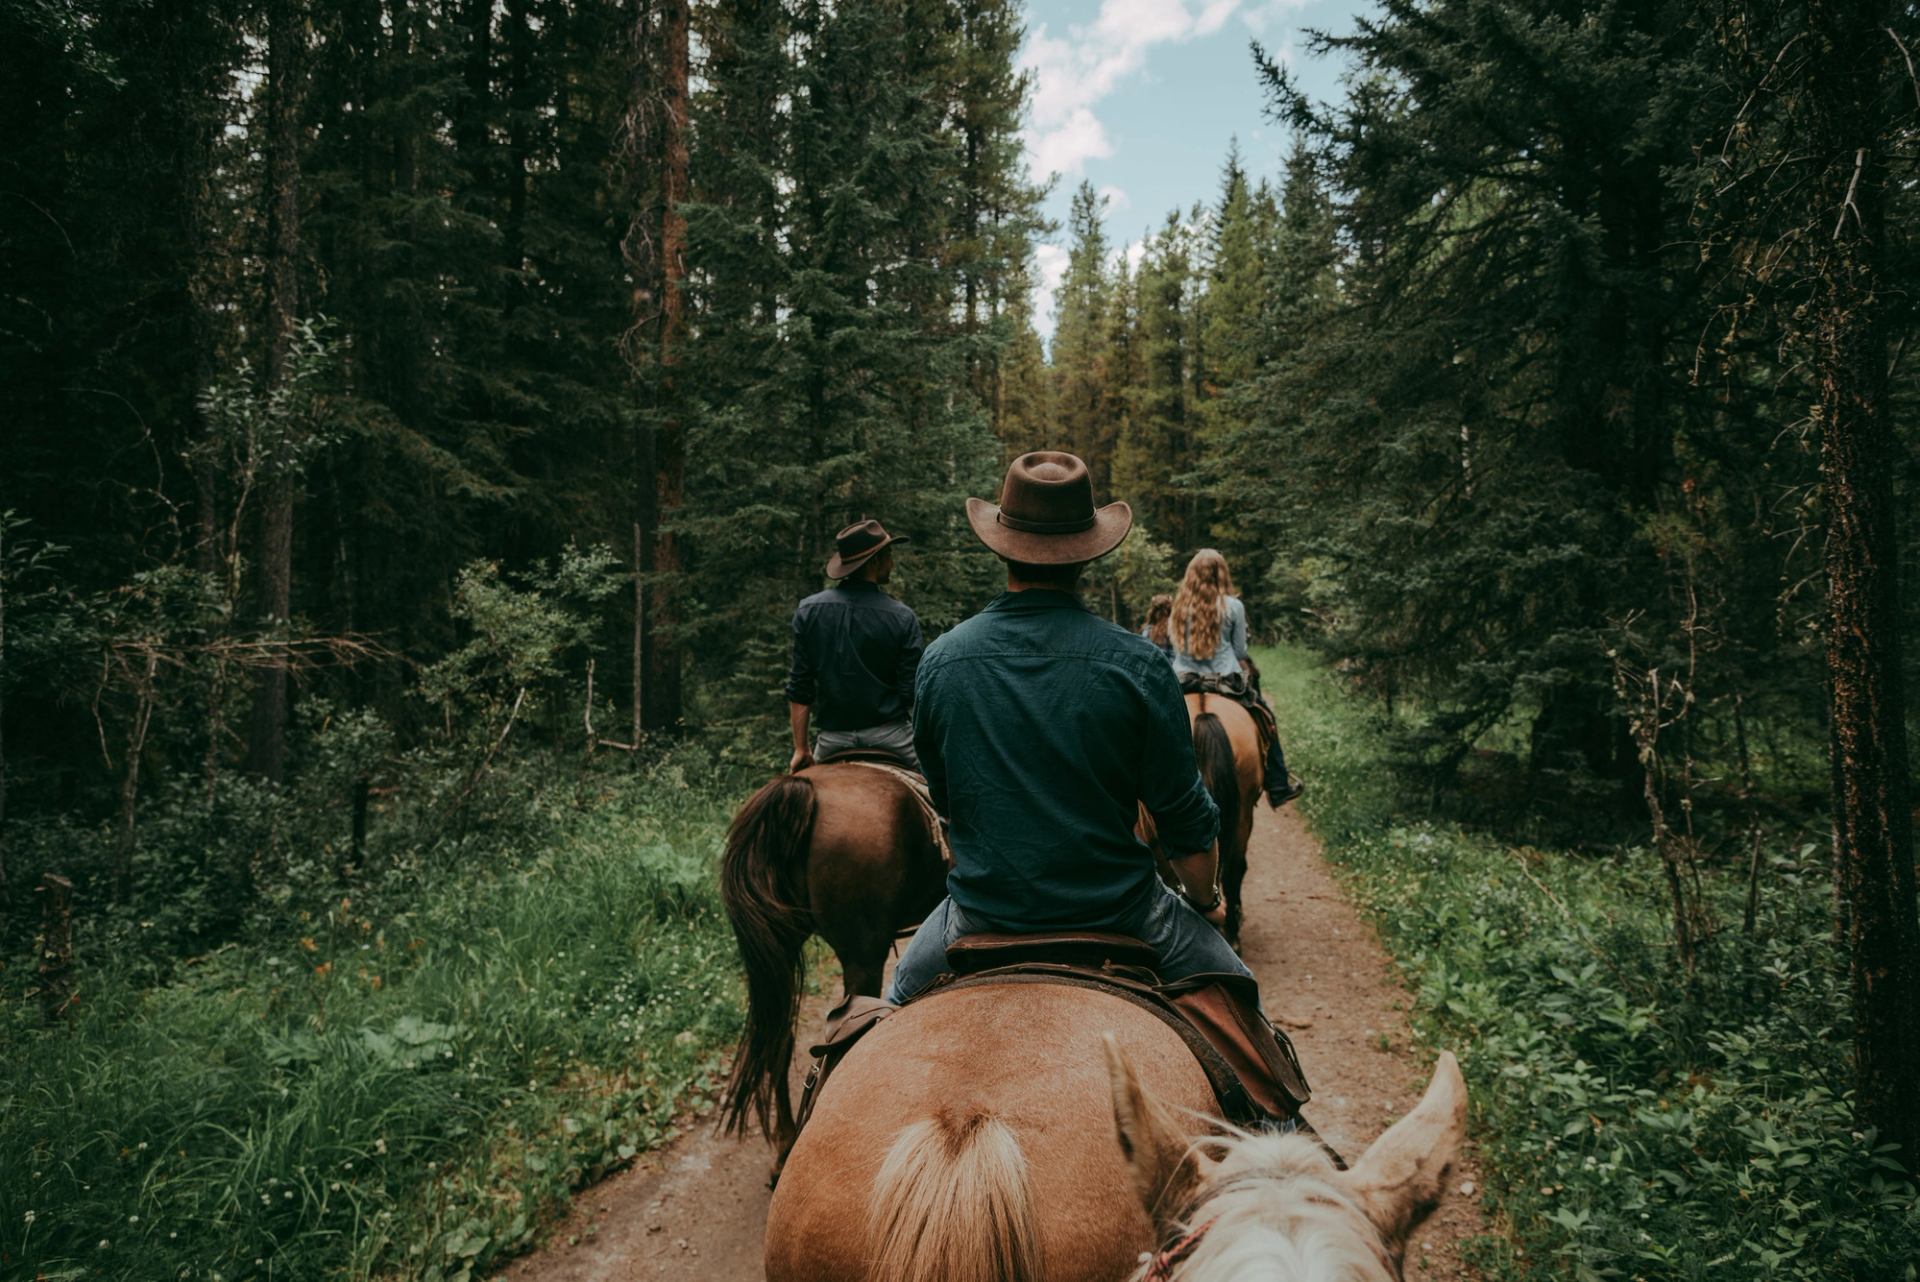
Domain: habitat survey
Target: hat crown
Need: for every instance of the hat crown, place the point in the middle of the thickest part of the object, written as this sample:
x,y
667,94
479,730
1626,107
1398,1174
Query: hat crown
x,y
859,537
1047,492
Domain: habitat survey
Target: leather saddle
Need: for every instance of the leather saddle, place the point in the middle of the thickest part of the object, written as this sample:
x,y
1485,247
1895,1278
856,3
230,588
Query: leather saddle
x,y
1255,1075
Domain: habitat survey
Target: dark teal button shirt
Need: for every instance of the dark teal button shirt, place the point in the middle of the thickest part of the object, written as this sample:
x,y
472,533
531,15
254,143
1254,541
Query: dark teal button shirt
x,y
1041,727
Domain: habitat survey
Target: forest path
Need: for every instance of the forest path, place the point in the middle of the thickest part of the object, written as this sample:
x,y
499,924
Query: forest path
x,y
697,1209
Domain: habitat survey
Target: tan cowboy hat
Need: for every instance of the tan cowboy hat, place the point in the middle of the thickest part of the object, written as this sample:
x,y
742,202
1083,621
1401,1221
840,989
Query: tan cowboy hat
x,y
1046,514
858,544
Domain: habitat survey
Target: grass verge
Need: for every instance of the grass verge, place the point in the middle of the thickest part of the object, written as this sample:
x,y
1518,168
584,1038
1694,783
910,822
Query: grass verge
x,y
1633,1124
398,1094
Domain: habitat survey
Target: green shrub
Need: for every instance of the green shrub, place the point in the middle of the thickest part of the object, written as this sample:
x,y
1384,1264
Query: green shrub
x,y
1634,1125
387,1083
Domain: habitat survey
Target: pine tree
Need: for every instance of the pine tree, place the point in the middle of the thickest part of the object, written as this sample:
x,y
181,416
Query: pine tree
x,y
1081,333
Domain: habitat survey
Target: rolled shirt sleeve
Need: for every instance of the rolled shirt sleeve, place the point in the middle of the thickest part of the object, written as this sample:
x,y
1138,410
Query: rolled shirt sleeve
x,y
1185,815
803,678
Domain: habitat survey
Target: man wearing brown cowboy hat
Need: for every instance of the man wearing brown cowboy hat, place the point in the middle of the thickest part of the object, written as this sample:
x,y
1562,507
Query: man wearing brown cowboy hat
x,y
1042,729
855,651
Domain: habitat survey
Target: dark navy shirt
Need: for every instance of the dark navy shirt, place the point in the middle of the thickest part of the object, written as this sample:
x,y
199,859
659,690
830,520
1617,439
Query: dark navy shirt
x,y
855,650
1041,728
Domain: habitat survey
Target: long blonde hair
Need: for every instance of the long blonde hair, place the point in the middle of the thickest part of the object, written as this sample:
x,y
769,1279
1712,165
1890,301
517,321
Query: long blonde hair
x,y
1198,610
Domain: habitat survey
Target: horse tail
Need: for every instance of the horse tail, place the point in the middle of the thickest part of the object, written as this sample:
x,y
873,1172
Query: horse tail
x,y
1213,753
765,855
953,1204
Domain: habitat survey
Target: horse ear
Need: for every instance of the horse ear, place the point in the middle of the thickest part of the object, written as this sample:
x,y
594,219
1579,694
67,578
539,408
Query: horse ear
x,y
1402,1176
1165,1164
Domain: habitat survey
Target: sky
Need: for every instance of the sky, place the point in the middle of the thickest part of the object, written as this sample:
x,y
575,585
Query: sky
x,y
1144,97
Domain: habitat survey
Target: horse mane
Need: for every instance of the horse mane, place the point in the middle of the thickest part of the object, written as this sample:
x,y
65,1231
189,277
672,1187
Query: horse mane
x,y
1274,1210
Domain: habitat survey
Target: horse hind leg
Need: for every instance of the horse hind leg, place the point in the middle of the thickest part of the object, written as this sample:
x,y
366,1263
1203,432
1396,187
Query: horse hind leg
x,y
1233,876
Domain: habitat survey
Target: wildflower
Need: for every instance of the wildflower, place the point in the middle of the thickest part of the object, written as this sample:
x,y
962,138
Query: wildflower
x,y
133,1219
104,1244
30,1217
380,1145
306,942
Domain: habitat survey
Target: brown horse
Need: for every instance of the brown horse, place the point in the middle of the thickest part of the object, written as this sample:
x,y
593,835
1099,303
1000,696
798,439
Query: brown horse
x,y
1226,748
839,850
1015,1132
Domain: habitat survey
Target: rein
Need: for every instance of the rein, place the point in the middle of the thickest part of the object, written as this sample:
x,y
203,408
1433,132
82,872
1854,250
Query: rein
x,y
1160,1268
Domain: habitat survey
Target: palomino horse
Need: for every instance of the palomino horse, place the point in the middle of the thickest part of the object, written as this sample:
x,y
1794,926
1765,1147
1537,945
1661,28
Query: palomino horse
x,y
1226,748
1017,1132
840,850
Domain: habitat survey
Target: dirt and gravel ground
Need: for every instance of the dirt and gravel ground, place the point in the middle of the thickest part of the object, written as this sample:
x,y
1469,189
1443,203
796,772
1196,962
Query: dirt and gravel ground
x,y
696,1211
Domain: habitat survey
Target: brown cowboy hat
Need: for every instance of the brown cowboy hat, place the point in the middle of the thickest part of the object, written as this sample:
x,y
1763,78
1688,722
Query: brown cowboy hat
x,y
1046,514
858,544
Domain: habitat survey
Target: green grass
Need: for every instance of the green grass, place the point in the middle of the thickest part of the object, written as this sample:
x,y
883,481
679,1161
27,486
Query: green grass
x,y
403,1094
1632,1125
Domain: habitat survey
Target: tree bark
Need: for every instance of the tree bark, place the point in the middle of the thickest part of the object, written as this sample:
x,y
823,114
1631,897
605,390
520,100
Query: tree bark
x,y
273,573
655,253
662,702
1851,119
56,947
4,888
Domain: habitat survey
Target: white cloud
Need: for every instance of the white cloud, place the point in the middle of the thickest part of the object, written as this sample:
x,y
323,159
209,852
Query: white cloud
x,y
1116,198
1260,17
1067,147
1135,253
1050,268
1071,75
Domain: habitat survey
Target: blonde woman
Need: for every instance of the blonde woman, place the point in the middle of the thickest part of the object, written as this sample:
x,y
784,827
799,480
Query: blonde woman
x,y
1208,630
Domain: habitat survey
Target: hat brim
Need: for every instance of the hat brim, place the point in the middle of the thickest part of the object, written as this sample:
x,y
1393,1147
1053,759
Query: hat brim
x,y
840,569
1110,526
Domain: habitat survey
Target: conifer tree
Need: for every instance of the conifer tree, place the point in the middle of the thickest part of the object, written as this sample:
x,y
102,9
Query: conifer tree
x,y
1081,338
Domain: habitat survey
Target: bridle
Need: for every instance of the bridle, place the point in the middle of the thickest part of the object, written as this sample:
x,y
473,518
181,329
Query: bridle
x,y
1160,1268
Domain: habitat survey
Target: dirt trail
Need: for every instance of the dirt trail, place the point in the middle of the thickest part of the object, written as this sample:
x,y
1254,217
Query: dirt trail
x,y
697,1210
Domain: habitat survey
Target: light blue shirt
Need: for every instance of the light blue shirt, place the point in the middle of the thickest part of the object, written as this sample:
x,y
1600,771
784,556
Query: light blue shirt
x,y
1227,653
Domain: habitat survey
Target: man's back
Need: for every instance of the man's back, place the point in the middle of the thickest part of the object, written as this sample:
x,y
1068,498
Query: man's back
x,y
1041,728
854,655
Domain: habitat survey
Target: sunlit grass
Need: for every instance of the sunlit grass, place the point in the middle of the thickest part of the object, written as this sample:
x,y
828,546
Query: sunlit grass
x,y
403,1094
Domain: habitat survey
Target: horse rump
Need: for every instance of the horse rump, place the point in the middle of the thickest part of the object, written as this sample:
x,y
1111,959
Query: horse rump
x,y
761,870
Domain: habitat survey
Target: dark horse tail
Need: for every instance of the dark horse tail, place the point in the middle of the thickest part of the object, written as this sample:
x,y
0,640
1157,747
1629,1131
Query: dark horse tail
x,y
765,860
1213,753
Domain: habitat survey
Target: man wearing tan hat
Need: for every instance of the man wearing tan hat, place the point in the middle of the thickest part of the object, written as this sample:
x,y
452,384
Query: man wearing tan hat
x,y
1041,729
855,652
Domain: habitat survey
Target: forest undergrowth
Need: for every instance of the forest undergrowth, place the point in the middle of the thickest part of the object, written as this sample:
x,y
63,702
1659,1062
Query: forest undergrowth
x,y
1632,1122
401,1078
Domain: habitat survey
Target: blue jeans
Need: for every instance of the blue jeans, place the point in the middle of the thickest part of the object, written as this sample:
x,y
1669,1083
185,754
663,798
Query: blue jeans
x,y
1185,942
892,737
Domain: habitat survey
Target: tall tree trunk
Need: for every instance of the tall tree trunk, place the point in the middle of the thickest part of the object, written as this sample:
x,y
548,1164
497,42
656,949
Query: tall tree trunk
x,y
273,579
4,888
662,689
1851,119
655,252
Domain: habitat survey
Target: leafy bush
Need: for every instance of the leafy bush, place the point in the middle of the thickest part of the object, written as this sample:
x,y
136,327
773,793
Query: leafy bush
x,y
383,1083
1634,1125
